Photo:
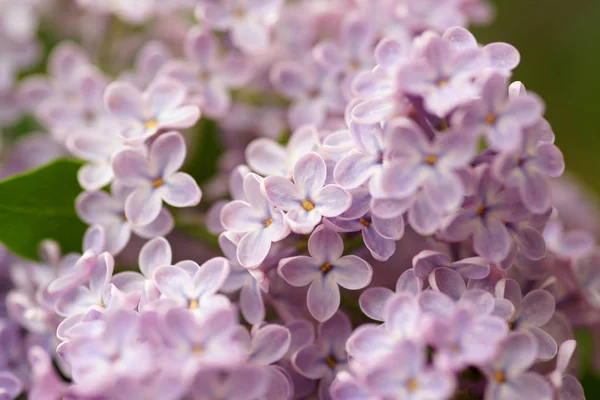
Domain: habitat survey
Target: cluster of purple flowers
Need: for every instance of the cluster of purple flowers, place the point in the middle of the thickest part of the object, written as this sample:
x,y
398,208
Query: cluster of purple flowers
x,y
367,143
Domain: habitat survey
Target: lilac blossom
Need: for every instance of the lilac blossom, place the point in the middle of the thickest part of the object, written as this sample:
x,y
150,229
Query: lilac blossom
x,y
143,115
470,268
365,161
442,75
155,178
327,356
10,386
307,199
352,53
153,254
508,374
206,75
247,20
258,222
250,282
189,284
199,342
468,339
379,234
108,211
96,363
374,299
405,375
531,312
96,146
267,157
325,269
314,93
501,119
527,169
239,383
484,216
567,386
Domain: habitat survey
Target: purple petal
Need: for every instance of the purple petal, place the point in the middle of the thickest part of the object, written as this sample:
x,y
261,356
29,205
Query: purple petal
x,y
309,174
124,100
323,298
546,344
266,157
143,206
502,56
282,192
354,170
390,228
373,300
325,245
472,268
270,343
299,271
381,248
332,200
251,303
309,362
164,94
181,190
537,308
210,276
250,36
173,282
253,248
131,167
352,272
155,253
535,192
518,353
531,242
448,281
167,154
426,261
491,240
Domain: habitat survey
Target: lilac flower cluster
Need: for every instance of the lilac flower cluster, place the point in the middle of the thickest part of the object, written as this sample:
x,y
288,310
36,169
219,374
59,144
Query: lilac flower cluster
x,y
366,143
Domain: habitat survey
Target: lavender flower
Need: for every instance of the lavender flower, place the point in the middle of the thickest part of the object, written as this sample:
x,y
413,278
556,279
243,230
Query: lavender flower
x,y
324,358
501,119
144,114
325,269
155,179
258,221
508,376
307,199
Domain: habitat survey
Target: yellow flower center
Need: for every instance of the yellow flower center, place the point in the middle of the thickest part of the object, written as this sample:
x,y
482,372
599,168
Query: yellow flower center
x,y
151,124
308,205
481,210
268,222
326,267
330,361
158,183
365,222
431,159
442,82
197,349
499,377
193,304
412,385
490,119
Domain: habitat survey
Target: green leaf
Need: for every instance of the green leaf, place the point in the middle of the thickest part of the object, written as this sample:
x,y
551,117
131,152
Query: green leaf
x,y
38,205
207,150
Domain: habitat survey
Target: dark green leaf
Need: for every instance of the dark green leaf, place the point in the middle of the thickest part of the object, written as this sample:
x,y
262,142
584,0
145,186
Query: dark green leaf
x,y
38,205
204,152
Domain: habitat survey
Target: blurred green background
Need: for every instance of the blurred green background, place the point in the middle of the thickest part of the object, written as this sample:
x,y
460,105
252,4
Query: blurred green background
x,y
559,43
